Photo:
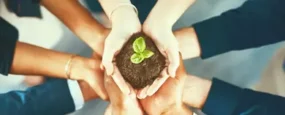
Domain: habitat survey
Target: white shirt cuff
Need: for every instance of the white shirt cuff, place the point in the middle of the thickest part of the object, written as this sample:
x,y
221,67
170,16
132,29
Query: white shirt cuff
x,y
76,94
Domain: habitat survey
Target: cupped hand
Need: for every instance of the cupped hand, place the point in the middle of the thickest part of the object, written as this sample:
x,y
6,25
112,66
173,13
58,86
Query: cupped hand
x,y
124,25
168,97
120,103
167,44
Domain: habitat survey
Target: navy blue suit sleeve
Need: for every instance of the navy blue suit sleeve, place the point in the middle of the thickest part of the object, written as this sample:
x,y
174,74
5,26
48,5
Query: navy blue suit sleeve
x,y
50,98
254,24
226,99
8,38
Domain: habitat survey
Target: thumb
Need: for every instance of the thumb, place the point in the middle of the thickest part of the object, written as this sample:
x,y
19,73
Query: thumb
x,y
174,60
107,59
181,72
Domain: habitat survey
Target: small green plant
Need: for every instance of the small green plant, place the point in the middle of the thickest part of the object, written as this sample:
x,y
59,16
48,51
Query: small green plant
x,y
141,53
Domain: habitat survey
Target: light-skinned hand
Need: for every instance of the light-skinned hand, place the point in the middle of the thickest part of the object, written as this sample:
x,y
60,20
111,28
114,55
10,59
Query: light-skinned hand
x,y
125,23
168,99
167,44
120,103
89,71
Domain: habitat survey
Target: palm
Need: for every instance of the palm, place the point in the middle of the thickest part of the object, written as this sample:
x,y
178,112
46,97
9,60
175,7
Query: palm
x,y
171,91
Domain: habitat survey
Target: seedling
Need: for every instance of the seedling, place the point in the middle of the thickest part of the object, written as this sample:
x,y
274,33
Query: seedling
x,y
140,50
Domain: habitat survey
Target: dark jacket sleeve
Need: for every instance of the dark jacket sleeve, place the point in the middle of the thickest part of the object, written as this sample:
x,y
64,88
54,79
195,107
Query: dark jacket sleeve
x,y
254,24
50,98
226,99
8,38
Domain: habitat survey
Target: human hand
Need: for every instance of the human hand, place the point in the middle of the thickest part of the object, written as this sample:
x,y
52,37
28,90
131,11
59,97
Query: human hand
x,y
88,70
124,24
196,91
188,42
120,103
167,44
168,96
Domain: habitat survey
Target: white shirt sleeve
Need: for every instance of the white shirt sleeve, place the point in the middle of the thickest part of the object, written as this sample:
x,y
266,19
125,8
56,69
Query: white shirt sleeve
x,y
76,94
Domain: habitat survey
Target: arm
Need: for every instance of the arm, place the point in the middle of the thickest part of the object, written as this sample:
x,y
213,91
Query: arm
x,y
254,24
54,95
33,60
166,17
38,100
217,97
78,20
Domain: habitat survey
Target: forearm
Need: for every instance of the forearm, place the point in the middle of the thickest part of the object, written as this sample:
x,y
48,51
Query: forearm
x,y
123,14
76,18
196,91
33,60
168,12
188,43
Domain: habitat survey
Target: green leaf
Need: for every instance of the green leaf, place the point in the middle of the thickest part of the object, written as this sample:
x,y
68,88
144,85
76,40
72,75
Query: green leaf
x,y
139,45
147,53
136,58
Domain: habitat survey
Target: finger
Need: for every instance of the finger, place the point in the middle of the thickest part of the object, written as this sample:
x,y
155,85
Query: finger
x,y
181,72
108,110
173,56
107,59
142,93
98,87
109,53
132,91
119,80
157,83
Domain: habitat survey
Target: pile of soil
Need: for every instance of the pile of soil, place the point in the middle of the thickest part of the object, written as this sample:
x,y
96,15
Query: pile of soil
x,y
142,74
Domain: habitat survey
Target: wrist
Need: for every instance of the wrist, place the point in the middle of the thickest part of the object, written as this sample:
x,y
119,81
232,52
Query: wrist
x,y
125,15
188,39
195,93
91,32
79,67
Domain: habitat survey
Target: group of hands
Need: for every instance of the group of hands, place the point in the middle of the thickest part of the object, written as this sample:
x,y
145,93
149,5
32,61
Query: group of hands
x,y
164,96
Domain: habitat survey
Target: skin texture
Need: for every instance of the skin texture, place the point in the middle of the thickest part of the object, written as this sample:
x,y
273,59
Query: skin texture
x,y
168,98
79,21
161,32
118,36
144,73
196,91
188,39
120,103
33,60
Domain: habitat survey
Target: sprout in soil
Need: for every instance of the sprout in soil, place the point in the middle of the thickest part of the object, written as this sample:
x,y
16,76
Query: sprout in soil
x,y
140,50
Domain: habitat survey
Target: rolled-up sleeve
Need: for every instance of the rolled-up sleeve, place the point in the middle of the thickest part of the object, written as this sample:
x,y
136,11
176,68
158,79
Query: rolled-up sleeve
x,y
8,38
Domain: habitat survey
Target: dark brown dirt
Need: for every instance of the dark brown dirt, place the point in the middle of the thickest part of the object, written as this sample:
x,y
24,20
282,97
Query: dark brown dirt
x,y
144,73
